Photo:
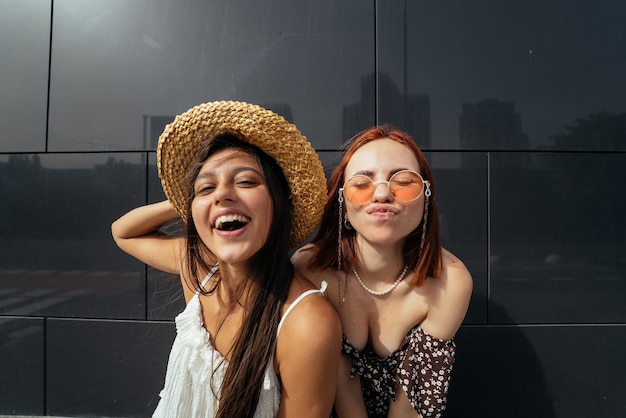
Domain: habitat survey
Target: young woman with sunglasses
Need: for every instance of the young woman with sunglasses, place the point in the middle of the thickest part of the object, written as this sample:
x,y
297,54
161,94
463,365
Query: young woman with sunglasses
x,y
400,296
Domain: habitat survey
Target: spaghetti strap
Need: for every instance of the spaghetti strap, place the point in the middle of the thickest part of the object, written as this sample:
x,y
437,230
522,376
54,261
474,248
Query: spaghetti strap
x,y
206,279
298,299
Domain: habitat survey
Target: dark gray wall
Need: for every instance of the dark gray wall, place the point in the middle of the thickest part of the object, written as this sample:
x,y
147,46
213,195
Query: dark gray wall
x,y
520,107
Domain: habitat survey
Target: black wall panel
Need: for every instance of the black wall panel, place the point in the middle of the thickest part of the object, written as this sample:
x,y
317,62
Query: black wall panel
x,y
519,107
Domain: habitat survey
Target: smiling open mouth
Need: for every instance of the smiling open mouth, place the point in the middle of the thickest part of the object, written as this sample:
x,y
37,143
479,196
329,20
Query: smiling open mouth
x,y
231,222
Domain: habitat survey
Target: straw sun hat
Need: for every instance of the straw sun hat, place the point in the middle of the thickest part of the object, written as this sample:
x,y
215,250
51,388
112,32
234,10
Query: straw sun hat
x,y
179,144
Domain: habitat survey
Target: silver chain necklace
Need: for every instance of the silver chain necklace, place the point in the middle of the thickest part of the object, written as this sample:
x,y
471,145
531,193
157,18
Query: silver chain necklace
x,y
383,292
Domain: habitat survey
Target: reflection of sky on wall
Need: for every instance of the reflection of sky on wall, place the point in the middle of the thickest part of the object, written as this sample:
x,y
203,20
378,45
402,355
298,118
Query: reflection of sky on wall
x,y
556,60
108,56
24,42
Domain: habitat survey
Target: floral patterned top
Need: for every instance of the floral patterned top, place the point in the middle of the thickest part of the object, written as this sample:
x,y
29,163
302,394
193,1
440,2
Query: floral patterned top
x,y
422,366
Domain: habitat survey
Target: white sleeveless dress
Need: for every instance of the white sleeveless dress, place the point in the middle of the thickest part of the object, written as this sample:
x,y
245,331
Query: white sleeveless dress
x,y
195,370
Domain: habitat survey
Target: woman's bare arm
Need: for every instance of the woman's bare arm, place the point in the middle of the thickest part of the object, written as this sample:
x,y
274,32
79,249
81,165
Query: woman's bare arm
x,y
307,357
137,233
449,299
349,399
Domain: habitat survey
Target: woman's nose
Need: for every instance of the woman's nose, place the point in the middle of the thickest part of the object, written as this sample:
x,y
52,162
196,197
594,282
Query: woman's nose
x,y
223,191
382,192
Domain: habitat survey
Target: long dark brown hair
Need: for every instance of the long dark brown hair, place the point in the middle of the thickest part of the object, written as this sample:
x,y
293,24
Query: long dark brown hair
x,y
269,268
426,264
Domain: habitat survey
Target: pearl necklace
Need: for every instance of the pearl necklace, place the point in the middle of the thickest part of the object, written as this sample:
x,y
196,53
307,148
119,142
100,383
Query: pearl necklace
x,y
383,292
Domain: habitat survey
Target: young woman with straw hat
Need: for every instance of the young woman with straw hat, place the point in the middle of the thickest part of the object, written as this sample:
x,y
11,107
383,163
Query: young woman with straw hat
x,y
255,339
401,297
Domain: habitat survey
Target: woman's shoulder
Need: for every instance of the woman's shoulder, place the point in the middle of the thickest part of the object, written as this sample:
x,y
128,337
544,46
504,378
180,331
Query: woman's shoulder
x,y
301,260
302,257
311,323
308,300
449,298
310,310
454,273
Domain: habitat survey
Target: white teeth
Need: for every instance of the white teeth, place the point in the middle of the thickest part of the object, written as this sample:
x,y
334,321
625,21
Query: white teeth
x,y
221,220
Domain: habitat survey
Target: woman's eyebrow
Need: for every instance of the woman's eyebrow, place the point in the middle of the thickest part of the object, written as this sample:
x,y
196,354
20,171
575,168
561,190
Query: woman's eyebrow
x,y
233,171
367,173
371,173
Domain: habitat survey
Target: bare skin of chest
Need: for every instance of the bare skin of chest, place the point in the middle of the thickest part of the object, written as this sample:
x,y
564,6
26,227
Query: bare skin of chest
x,y
223,327
381,322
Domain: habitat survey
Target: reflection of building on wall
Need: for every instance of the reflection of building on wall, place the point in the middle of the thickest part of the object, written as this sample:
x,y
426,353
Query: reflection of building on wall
x,y
152,128
34,185
354,114
409,112
153,125
492,125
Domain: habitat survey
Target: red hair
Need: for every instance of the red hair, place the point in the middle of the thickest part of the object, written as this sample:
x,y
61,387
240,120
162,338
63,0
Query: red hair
x,y
427,264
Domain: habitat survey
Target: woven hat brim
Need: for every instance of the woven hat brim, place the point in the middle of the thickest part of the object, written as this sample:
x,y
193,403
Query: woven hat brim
x,y
180,141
